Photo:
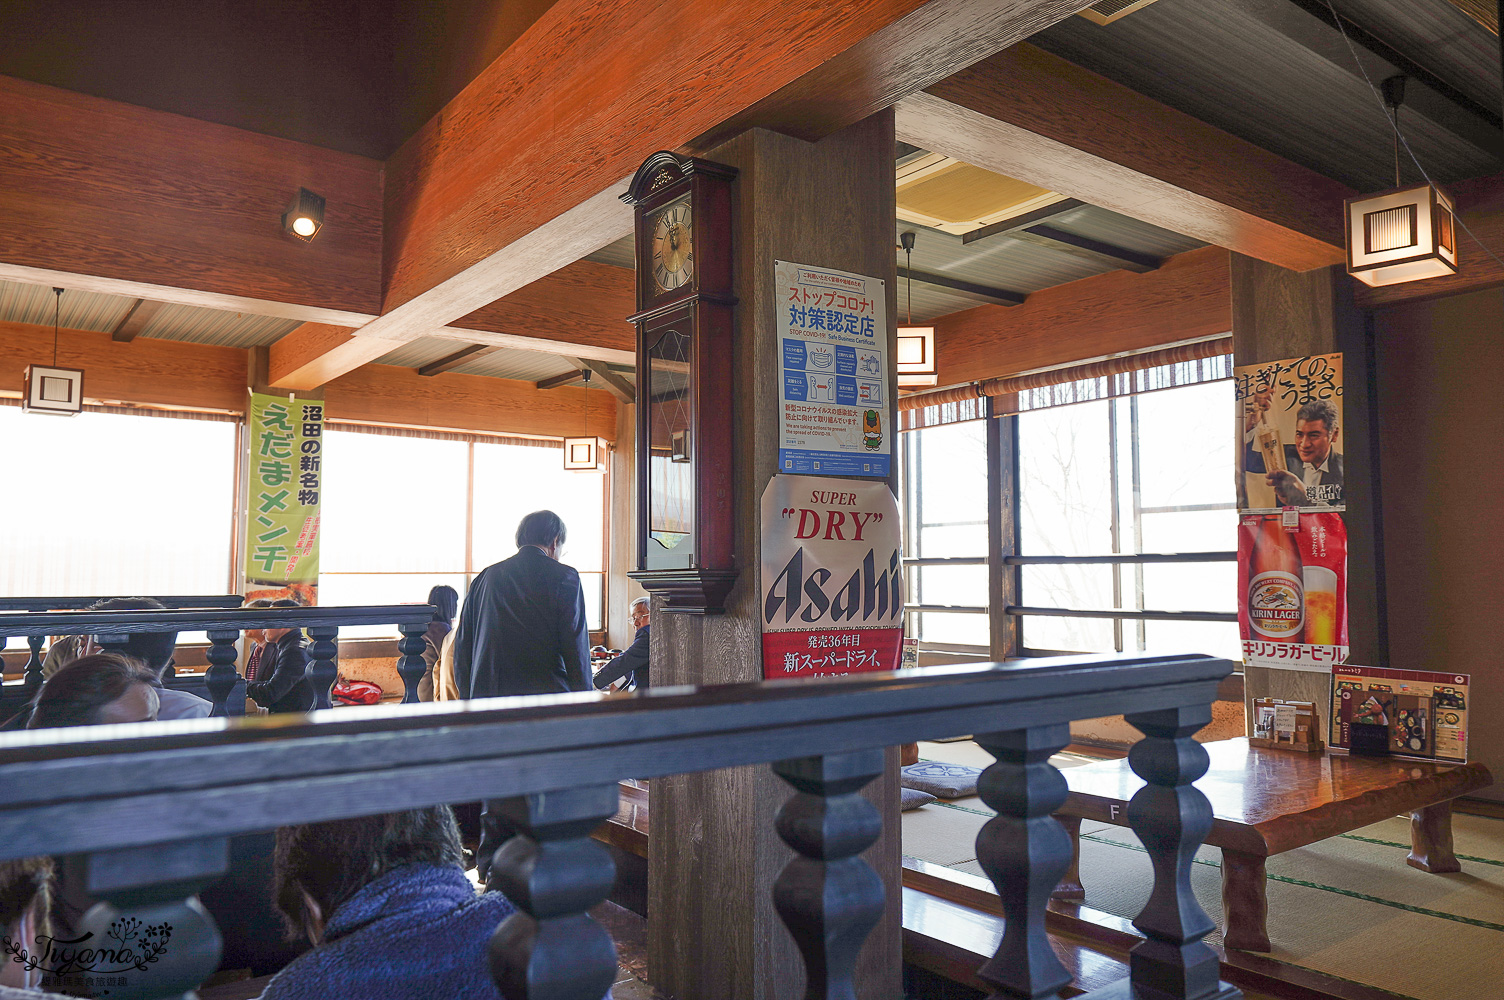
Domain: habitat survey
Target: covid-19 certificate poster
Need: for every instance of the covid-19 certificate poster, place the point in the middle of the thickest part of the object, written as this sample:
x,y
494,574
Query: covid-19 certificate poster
x,y
833,391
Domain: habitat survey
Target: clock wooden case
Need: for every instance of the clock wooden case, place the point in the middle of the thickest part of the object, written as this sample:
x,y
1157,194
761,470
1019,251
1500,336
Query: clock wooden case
x,y
685,548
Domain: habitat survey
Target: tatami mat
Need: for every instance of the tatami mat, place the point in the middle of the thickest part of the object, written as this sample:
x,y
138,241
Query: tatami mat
x,y
1349,906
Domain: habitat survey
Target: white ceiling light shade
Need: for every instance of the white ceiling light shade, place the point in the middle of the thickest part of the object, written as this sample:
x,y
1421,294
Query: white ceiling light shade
x,y
1404,234
916,357
585,454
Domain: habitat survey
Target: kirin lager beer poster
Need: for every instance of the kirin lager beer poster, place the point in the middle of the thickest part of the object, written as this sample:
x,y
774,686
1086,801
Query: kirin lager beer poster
x,y
1289,443
832,578
1293,584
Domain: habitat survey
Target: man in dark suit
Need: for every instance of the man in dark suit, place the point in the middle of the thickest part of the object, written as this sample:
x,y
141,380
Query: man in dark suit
x,y
523,627
1314,476
522,631
633,663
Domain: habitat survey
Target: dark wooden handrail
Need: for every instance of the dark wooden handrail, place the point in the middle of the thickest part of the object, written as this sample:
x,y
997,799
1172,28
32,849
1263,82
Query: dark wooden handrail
x,y
112,630
129,796
64,603
205,619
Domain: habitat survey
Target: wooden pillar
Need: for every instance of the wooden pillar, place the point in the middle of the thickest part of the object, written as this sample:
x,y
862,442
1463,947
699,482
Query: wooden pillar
x,y
1287,314
713,851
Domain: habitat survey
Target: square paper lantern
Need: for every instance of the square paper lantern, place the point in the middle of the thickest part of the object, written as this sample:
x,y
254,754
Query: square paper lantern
x,y
53,390
916,356
1406,234
585,454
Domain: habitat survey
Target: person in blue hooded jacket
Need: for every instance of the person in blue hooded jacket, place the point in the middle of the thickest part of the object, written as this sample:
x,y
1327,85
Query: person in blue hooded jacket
x,y
388,907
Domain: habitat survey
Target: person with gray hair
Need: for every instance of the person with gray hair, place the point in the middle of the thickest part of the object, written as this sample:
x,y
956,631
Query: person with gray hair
x,y
631,665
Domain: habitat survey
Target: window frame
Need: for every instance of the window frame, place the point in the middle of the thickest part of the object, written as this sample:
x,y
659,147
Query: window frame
x,y
1006,560
471,570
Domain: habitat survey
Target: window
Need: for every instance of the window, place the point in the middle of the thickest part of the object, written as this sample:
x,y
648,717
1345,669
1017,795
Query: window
x,y
512,481
107,504
1149,473
403,514
945,517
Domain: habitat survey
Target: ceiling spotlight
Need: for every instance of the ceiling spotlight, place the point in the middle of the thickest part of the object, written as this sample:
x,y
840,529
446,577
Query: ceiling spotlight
x,y
304,216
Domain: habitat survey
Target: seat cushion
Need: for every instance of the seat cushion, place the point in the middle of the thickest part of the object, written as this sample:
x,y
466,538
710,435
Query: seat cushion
x,y
947,781
913,798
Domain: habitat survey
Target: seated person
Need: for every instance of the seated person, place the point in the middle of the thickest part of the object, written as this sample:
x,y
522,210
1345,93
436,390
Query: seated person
x,y
275,674
632,664
96,690
25,905
386,903
445,601
64,650
155,650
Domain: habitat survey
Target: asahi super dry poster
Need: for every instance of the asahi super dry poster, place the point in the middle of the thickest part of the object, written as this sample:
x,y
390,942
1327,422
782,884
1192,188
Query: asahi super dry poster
x,y
284,479
1290,434
832,578
1292,611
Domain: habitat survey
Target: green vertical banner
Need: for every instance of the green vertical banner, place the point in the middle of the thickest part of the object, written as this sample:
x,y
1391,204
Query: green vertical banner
x,y
284,478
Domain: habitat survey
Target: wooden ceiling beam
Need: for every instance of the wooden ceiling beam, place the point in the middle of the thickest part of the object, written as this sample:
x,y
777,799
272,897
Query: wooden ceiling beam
x,y
610,381
134,321
581,310
316,353
1030,115
1099,253
1024,221
562,379
449,362
519,174
968,289
1188,298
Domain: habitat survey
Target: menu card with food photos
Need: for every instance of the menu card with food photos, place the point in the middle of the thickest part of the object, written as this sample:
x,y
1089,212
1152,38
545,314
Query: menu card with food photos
x,y
1408,713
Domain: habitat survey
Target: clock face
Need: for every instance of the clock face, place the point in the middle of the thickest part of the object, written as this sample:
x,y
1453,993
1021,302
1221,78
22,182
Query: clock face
x,y
673,247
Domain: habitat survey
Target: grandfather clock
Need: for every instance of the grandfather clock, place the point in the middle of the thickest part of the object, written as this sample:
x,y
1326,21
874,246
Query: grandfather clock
x,y
685,549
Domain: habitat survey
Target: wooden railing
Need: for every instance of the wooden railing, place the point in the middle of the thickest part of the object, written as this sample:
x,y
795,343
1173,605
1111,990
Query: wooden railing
x,y
112,629
71,603
151,805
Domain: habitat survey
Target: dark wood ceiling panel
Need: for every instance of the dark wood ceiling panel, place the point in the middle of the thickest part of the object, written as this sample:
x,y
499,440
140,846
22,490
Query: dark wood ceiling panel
x,y
1440,37
1222,64
358,76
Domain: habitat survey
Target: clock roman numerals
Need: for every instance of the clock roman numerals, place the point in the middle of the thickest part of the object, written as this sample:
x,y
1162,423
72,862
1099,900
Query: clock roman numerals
x,y
672,244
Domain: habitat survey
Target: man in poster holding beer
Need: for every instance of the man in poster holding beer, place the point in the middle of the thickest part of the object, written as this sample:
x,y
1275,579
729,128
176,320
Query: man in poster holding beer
x,y
1307,473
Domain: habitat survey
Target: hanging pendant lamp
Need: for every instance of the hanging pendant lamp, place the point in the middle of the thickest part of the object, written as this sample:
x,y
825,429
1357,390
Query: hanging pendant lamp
x,y
50,389
1407,233
916,344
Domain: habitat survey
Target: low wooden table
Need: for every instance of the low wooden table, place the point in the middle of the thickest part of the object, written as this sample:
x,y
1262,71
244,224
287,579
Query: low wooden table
x,y
1266,802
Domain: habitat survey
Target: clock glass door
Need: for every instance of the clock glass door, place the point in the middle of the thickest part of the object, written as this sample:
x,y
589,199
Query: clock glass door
x,y
671,479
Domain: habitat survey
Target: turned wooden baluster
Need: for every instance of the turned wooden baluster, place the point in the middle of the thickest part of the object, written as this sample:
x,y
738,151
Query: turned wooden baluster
x,y
322,671
828,897
32,678
551,948
411,666
1171,818
1025,851
221,677
149,910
